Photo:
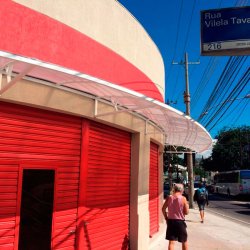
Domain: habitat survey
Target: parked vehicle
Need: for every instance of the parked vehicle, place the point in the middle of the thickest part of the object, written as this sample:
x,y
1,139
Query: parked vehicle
x,y
233,182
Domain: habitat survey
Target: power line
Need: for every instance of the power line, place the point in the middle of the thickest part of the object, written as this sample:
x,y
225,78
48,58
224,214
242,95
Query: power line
x,y
211,65
204,80
241,112
178,29
189,26
230,71
214,119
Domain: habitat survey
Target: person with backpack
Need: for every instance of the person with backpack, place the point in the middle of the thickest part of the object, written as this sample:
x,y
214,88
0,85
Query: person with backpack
x,y
201,197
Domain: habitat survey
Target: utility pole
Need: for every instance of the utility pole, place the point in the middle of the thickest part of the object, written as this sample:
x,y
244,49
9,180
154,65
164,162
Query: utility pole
x,y
189,151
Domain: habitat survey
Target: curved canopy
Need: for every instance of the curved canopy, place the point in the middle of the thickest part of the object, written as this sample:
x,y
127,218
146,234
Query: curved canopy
x,y
180,130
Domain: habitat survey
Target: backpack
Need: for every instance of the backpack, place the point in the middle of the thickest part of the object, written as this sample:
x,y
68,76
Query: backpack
x,y
201,194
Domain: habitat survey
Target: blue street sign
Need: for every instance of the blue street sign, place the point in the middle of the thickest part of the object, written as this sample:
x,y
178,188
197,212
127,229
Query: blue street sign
x,y
225,31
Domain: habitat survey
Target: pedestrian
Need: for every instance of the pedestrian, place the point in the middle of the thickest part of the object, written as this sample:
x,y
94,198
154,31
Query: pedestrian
x,y
201,197
174,210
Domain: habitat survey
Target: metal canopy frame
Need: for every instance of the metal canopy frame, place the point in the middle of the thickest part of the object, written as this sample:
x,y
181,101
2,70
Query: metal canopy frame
x,y
179,129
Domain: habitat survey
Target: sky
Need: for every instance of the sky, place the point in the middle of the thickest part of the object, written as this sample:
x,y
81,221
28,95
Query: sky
x,y
218,85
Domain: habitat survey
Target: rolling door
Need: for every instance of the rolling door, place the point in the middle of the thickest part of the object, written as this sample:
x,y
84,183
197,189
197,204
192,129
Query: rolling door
x,y
65,207
106,198
153,190
8,205
33,134
48,140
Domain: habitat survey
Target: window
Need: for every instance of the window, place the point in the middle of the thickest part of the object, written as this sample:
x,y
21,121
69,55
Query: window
x,y
245,174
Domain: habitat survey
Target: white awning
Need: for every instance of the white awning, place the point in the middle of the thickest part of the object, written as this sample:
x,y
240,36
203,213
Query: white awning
x,y
180,130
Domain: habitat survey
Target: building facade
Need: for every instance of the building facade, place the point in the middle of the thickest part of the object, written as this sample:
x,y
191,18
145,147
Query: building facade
x,y
82,86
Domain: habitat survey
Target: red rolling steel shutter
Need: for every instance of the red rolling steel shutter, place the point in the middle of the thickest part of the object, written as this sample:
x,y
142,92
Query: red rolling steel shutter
x,y
33,134
8,204
65,208
154,190
106,205
44,138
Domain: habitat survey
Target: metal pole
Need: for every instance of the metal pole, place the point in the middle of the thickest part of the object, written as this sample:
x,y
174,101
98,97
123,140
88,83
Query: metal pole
x,y
190,178
170,177
189,151
186,94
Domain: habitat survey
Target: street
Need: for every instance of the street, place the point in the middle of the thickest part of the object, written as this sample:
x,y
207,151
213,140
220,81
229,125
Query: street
x,y
231,208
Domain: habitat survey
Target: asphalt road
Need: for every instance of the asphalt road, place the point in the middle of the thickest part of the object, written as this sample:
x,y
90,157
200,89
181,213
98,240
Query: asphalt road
x,y
232,208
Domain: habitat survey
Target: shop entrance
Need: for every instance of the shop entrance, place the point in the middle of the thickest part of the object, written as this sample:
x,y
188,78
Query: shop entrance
x,y
36,209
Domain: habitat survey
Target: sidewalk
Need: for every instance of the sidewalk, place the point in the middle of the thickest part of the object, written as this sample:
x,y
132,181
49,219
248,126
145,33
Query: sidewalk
x,y
216,233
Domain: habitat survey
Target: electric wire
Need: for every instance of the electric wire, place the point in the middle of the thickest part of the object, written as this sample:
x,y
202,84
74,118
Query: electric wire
x,y
237,108
185,43
207,74
230,98
178,30
213,62
240,112
238,89
224,83
189,26
203,83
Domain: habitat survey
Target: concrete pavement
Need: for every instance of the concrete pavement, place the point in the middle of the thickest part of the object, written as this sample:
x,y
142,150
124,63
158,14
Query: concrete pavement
x,y
216,233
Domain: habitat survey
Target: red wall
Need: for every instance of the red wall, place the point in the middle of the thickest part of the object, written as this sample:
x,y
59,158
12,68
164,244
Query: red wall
x,y
31,34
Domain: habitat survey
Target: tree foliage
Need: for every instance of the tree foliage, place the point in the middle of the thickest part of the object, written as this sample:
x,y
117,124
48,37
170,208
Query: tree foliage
x,y
232,150
172,158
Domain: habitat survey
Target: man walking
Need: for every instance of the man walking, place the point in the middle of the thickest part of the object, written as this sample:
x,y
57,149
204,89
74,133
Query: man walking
x,y
201,197
177,207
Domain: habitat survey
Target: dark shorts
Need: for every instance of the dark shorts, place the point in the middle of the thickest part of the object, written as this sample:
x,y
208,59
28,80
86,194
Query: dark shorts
x,y
176,230
201,205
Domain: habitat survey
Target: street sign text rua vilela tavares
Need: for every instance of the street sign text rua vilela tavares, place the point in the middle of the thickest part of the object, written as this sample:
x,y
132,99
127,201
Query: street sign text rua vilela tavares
x,y
225,31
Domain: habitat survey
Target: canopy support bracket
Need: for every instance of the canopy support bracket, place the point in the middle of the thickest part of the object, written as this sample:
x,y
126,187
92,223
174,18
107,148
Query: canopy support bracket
x,y
96,107
12,81
146,127
6,70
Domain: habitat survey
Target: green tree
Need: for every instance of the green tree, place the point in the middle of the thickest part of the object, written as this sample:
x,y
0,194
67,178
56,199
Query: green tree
x,y
231,150
171,158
